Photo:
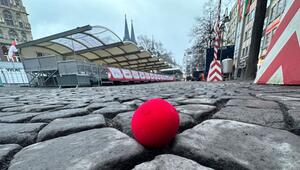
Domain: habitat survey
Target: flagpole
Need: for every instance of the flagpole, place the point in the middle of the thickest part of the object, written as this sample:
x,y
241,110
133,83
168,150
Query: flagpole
x,y
218,32
215,70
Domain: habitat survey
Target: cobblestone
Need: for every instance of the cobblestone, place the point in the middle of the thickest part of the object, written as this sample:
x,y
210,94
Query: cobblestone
x,y
265,117
259,104
65,126
169,161
18,118
6,154
237,145
197,111
49,116
19,133
105,148
228,125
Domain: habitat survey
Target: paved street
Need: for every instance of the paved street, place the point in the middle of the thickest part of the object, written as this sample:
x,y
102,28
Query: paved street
x,y
233,125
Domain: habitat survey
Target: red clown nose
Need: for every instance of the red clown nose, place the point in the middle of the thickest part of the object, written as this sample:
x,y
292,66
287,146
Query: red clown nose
x,y
155,123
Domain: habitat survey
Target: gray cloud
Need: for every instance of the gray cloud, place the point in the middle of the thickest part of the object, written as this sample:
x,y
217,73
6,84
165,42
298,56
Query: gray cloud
x,y
169,21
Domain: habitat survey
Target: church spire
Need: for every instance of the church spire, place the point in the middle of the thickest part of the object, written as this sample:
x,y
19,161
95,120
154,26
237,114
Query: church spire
x,y
126,31
132,33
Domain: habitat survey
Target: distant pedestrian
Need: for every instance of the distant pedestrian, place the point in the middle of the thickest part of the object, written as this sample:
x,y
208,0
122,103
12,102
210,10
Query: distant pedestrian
x,y
12,52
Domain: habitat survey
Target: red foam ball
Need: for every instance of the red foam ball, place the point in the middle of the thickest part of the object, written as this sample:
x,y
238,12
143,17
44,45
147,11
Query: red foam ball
x,y
155,123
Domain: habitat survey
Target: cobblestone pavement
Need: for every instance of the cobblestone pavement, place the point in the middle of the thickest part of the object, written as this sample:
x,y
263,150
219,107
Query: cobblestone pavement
x,y
232,125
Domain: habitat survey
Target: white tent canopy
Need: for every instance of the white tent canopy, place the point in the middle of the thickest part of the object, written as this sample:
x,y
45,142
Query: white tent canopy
x,y
96,44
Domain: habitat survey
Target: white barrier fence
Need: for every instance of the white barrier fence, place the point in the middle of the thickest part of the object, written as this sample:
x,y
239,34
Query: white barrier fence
x,y
116,74
12,73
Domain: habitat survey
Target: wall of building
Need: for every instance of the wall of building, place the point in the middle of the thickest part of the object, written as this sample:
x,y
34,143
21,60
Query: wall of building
x,y
187,63
231,26
14,22
243,37
249,20
275,10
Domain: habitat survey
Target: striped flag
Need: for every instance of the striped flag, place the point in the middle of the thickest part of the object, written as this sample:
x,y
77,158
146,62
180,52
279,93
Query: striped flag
x,y
247,7
240,9
217,32
215,71
243,11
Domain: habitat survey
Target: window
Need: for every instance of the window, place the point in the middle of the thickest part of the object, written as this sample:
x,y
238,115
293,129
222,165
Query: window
x,y
262,45
252,14
277,9
273,12
24,36
21,24
273,32
246,51
281,6
268,39
13,35
248,34
247,19
17,2
18,16
8,18
4,2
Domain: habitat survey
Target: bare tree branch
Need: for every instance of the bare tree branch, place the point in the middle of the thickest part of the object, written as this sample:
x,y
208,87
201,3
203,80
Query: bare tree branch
x,y
155,47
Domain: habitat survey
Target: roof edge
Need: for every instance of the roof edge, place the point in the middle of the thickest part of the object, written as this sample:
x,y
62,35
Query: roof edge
x,y
55,36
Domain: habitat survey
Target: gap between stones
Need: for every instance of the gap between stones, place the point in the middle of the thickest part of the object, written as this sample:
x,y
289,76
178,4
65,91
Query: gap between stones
x,y
288,120
219,105
8,158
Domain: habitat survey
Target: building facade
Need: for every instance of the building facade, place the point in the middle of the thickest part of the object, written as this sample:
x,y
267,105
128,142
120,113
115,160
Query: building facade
x,y
239,33
188,63
231,27
14,24
246,39
241,30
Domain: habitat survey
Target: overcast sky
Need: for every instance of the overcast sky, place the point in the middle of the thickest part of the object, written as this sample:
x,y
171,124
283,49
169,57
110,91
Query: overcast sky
x,y
169,21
